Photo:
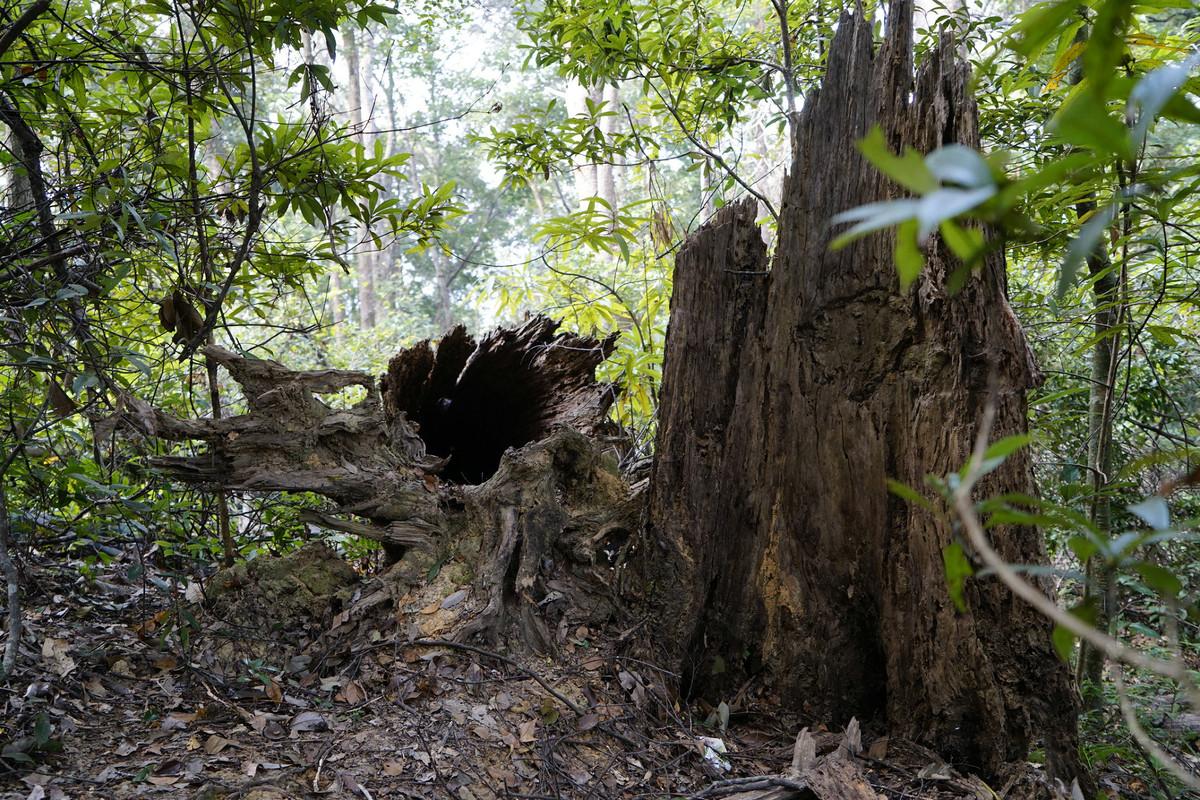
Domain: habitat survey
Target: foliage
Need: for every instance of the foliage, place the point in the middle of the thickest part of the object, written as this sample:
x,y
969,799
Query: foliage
x,y
150,157
210,149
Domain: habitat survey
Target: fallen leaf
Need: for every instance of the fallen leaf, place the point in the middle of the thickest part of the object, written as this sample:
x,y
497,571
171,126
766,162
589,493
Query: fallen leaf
x,y
308,721
351,694
166,663
878,749
215,744
57,653
588,721
193,593
432,608
549,711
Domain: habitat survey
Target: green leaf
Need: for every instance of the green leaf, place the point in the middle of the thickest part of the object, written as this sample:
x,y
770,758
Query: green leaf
x,y
960,165
1159,578
908,494
1064,640
1154,91
908,170
1153,511
42,730
1040,25
874,216
1081,247
1084,121
1003,448
1083,547
907,254
958,569
944,204
966,243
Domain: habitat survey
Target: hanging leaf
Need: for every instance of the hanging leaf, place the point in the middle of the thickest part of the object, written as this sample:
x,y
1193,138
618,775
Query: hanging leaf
x,y
908,170
907,254
1063,639
960,165
1154,512
958,569
1083,246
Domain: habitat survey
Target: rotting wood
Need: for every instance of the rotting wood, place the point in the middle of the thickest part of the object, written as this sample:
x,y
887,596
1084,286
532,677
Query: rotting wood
x,y
477,446
834,776
793,389
402,534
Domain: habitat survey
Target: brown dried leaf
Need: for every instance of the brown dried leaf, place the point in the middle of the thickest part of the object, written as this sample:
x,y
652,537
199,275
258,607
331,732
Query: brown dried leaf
x,y
215,744
878,749
351,694
63,405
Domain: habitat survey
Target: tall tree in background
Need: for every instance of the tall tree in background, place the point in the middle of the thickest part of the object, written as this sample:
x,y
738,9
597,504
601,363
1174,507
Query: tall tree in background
x,y
368,298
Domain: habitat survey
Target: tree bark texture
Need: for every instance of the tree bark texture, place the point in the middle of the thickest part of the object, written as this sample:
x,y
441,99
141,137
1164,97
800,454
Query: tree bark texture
x,y
438,417
470,447
793,389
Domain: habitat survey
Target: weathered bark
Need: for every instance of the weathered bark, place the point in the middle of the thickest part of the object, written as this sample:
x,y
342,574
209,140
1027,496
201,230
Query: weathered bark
x,y
793,390
473,401
440,419
453,412
549,517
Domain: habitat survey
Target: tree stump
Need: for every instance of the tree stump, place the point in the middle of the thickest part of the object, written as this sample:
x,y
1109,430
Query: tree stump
x,y
794,389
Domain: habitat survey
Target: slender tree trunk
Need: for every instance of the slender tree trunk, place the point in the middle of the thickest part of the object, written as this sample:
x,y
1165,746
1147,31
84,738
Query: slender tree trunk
x,y
13,583
584,172
332,288
20,191
793,390
364,258
606,173
221,498
443,278
1099,588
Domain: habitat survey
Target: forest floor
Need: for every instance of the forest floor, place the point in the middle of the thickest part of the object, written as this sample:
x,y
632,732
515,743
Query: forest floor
x,y
299,677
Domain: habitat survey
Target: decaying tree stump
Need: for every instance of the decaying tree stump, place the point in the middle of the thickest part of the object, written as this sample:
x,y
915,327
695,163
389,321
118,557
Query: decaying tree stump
x,y
476,441
793,389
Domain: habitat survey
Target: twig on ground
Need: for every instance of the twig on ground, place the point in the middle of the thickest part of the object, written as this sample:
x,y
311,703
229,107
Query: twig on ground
x,y
579,712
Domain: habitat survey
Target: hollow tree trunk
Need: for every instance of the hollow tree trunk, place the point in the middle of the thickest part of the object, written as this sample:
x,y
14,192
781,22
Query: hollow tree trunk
x,y
492,447
793,389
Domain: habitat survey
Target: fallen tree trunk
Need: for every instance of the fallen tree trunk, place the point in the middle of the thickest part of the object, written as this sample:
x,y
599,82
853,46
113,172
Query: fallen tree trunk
x,y
475,450
793,389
